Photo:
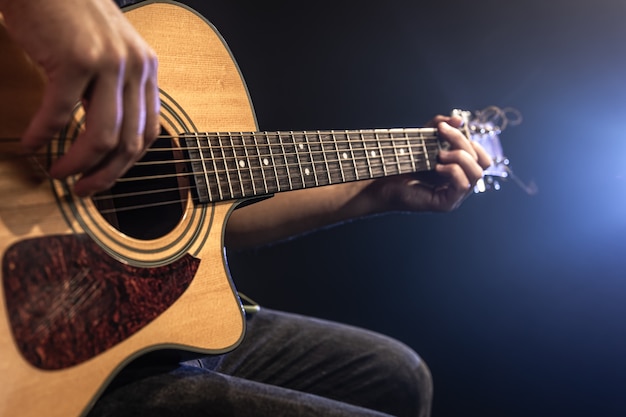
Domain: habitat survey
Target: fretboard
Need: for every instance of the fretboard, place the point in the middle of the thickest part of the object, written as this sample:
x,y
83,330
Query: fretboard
x,y
229,166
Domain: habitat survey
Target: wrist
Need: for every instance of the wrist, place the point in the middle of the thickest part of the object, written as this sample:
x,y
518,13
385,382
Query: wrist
x,y
362,199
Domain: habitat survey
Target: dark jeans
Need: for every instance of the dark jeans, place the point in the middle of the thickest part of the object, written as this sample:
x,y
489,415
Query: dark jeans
x,y
287,365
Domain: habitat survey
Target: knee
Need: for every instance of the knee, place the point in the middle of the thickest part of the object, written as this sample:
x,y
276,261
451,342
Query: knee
x,y
409,380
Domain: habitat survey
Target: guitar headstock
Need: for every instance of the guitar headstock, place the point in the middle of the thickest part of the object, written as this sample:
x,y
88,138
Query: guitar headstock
x,y
484,127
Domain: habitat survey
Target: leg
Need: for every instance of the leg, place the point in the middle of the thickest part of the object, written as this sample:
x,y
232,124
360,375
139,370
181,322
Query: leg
x,y
288,365
189,391
331,360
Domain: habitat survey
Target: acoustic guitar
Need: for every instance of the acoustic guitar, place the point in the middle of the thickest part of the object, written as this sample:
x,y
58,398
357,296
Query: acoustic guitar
x,y
89,284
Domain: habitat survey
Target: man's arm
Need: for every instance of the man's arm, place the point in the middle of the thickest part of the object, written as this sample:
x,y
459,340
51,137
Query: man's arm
x,y
296,212
90,53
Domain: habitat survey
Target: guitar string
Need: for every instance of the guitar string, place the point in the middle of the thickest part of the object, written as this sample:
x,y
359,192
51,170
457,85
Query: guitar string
x,y
245,188
52,205
325,137
319,147
249,183
362,154
314,148
429,132
336,172
123,208
335,152
104,198
194,199
278,179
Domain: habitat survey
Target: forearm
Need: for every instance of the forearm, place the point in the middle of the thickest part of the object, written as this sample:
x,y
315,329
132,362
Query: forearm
x,y
294,213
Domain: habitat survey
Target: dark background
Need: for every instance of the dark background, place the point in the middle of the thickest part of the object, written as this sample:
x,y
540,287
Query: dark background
x,y
516,302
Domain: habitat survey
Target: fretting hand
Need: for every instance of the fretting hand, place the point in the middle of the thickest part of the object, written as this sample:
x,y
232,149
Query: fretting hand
x,y
293,213
443,189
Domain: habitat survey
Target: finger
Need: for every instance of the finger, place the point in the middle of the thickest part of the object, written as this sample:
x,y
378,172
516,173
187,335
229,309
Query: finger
x,y
139,128
153,105
436,120
457,177
454,121
133,118
102,127
484,158
130,144
104,175
472,171
61,95
456,139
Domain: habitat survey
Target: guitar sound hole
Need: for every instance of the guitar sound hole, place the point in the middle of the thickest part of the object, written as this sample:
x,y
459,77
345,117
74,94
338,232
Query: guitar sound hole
x,y
149,200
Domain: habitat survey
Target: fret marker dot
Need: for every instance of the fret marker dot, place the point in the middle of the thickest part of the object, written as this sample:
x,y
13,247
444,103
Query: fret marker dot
x,y
373,153
401,151
242,163
345,155
307,171
301,146
266,161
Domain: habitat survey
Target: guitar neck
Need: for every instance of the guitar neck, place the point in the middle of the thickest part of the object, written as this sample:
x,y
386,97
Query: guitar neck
x,y
230,166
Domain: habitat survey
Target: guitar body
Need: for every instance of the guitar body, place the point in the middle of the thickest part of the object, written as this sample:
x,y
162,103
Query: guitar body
x,y
81,296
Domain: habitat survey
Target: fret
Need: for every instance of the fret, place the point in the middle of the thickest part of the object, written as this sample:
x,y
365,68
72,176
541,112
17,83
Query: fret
x,y
279,169
258,175
335,141
295,169
308,169
334,164
426,155
259,158
298,147
284,153
241,164
269,169
433,150
367,154
361,157
376,154
310,151
347,174
198,167
226,153
217,162
407,154
249,163
323,152
353,157
380,150
395,152
411,153
273,162
392,167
